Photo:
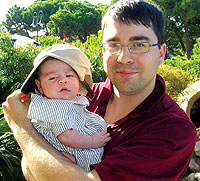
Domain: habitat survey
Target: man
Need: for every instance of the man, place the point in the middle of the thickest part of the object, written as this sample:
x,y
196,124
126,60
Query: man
x,y
151,137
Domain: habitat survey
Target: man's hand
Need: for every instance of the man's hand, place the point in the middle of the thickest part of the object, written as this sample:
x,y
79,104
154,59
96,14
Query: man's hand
x,y
15,110
100,139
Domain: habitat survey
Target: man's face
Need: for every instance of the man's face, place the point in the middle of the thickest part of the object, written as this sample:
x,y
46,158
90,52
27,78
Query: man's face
x,y
131,73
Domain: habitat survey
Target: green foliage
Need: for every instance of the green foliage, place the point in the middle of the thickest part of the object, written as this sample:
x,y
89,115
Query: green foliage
x,y
182,23
15,64
113,1
48,8
75,19
1,111
10,154
10,158
192,65
176,79
198,133
49,40
195,60
14,20
196,50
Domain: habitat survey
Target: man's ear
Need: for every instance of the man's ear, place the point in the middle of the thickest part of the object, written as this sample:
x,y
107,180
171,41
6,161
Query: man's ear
x,y
38,84
163,49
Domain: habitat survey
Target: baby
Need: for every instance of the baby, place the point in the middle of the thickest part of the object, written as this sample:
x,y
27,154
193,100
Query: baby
x,y
62,75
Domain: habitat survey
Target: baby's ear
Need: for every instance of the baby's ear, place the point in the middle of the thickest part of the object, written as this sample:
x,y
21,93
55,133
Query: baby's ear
x,y
38,84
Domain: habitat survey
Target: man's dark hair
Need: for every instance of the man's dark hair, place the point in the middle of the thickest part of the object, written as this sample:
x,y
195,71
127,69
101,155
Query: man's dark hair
x,y
137,12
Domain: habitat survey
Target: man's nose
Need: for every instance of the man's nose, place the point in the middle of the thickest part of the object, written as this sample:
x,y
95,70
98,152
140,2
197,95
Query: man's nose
x,y
125,57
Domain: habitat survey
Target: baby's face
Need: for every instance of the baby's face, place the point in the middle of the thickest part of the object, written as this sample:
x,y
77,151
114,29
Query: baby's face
x,y
58,80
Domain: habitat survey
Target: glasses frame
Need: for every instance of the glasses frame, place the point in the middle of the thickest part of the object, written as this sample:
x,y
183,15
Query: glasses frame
x,y
128,45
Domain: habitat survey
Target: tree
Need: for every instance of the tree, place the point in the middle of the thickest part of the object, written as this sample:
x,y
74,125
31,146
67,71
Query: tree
x,y
47,7
180,16
75,19
18,20
14,21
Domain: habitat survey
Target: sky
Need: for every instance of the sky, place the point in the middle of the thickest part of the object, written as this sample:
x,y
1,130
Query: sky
x,y
4,7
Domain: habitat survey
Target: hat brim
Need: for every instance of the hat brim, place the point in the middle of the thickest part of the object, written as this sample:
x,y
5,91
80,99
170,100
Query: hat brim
x,y
29,84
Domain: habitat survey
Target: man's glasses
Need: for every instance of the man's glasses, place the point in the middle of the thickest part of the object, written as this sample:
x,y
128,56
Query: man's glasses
x,y
136,47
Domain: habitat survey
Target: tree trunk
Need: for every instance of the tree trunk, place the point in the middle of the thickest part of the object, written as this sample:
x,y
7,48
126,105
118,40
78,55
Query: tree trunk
x,y
180,41
187,38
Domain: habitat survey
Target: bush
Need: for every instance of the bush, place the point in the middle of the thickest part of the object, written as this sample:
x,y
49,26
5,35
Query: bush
x,y
10,158
195,60
10,154
176,79
192,66
47,41
15,64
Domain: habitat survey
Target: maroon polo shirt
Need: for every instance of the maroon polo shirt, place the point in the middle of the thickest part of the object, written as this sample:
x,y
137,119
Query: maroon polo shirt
x,y
154,142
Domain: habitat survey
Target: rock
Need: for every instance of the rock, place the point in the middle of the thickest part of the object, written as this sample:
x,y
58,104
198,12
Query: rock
x,y
197,148
192,177
195,164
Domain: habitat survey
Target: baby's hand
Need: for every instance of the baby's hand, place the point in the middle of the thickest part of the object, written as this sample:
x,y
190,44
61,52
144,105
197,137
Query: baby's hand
x,y
100,139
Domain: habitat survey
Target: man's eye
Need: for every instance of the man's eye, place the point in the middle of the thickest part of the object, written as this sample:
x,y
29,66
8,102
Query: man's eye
x,y
113,45
139,45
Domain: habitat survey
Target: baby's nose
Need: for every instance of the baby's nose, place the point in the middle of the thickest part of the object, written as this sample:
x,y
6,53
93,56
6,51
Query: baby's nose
x,y
62,80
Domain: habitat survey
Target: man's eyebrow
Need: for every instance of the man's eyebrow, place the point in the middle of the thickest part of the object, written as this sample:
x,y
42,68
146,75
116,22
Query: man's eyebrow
x,y
112,39
134,38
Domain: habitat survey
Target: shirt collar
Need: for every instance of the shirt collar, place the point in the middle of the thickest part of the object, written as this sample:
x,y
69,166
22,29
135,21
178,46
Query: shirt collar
x,y
146,106
155,97
107,88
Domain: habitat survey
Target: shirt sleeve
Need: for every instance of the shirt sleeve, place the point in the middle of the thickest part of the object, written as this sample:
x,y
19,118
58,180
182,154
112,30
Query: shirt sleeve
x,y
159,153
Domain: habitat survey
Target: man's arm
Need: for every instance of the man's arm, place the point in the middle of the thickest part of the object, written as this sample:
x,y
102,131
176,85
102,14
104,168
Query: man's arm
x,y
44,162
